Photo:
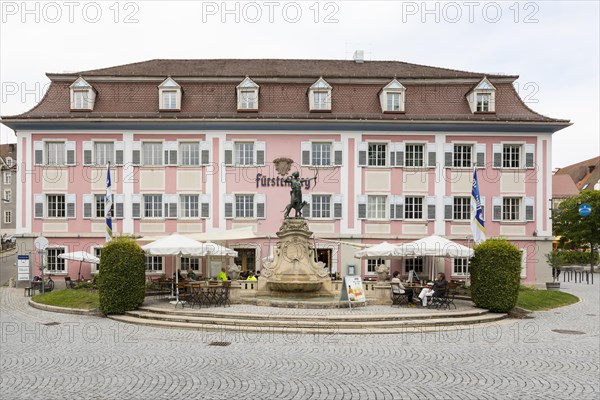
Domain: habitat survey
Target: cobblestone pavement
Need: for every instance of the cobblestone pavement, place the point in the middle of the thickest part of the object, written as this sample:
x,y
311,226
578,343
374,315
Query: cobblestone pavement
x,y
97,358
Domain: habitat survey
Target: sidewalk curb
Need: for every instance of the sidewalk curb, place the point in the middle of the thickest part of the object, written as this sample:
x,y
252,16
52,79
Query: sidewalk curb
x,y
64,310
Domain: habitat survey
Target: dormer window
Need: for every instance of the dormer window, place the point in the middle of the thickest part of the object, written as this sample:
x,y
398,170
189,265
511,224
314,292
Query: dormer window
x,y
391,97
319,96
83,95
247,95
482,99
169,95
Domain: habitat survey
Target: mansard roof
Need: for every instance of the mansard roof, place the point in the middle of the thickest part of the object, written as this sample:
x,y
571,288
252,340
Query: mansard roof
x,y
209,87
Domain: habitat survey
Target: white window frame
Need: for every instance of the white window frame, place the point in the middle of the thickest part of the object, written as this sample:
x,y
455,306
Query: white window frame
x,y
518,208
317,209
247,95
464,265
189,154
320,156
458,162
55,152
372,264
249,208
510,160
169,100
409,201
483,88
96,251
169,95
417,263
376,209
57,203
241,155
8,195
319,96
374,158
187,262
186,212
154,261
9,162
394,88
55,260
7,177
83,95
466,208
155,157
410,155
484,102
156,210
8,217
102,157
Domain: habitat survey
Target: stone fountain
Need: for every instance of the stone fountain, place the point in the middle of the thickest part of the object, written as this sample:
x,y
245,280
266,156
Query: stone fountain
x,y
293,272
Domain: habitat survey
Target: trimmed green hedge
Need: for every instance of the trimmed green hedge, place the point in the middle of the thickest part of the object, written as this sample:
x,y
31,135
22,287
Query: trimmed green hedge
x,y
121,281
576,257
496,275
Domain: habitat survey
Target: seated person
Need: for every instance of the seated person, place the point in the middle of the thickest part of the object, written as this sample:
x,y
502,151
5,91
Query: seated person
x,y
222,275
191,275
425,293
251,277
436,289
409,292
440,285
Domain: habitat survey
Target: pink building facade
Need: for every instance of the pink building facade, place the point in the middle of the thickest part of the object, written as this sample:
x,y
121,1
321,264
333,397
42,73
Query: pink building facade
x,y
390,147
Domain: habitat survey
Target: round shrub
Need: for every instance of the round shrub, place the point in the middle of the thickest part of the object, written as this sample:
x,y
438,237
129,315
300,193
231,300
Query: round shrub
x,y
496,275
121,281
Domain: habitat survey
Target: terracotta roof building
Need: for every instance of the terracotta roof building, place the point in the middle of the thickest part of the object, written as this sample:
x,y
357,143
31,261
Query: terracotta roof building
x,y
391,146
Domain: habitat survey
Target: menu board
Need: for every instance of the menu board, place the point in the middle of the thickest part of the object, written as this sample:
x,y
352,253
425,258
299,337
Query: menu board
x,y
353,290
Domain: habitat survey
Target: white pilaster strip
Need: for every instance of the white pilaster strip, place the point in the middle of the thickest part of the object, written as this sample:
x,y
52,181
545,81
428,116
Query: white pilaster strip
x,y
357,182
439,226
543,199
216,180
128,178
24,186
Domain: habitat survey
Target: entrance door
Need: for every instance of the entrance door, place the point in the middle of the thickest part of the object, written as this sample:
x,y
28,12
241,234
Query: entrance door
x,y
324,255
246,258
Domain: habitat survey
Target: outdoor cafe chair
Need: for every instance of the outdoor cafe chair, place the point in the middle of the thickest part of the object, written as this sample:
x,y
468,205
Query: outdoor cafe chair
x,y
398,298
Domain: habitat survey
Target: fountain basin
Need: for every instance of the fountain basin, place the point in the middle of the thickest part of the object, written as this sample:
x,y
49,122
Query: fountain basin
x,y
294,286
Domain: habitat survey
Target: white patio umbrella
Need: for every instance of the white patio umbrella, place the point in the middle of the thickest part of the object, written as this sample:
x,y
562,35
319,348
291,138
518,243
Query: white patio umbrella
x,y
175,245
381,250
433,246
81,256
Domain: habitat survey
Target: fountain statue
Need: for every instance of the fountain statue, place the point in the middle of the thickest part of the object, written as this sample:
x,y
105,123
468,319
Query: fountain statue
x,y
293,271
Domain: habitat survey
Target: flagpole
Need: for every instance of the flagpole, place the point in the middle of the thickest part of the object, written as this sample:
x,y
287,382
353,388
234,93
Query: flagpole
x,y
108,205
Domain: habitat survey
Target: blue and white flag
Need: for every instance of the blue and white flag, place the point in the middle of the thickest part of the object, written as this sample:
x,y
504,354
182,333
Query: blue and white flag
x,y
108,206
477,224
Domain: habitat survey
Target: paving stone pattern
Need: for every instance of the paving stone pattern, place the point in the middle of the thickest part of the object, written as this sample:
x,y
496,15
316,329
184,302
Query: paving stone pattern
x,y
97,358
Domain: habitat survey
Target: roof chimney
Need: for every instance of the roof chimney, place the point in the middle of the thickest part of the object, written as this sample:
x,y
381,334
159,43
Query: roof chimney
x,y
359,56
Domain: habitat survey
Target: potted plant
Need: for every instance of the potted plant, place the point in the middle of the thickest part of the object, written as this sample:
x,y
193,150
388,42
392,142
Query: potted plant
x,y
555,261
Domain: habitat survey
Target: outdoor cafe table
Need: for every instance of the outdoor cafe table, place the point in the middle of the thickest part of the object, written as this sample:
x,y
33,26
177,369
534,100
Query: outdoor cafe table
x,y
203,293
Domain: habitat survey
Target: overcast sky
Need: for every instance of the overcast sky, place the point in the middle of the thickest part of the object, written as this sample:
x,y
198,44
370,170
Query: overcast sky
x,y
552,45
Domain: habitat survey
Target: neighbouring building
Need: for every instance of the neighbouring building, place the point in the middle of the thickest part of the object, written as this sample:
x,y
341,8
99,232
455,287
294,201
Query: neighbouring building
x,y
8,188
192,144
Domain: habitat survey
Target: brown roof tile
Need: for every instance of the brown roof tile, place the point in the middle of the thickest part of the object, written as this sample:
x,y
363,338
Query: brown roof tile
x,y
281,68
213,98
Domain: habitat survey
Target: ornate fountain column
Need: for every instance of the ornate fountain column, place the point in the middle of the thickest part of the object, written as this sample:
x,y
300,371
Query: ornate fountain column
x,y
294,271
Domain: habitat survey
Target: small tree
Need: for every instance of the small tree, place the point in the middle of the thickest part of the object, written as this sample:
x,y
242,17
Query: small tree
x,y
575,230
496,275
555,261
121,281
